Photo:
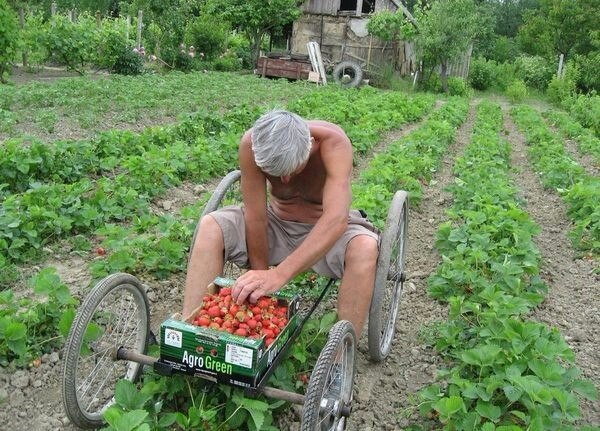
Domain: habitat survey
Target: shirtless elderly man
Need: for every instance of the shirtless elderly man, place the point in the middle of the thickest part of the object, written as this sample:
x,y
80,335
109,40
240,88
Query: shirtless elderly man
x,y
307,223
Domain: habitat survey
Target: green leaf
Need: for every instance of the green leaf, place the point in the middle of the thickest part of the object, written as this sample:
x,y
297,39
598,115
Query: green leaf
x,y
488,410
130,420
512,393
65,322
481,356
585,388
128,397
112,415
446,407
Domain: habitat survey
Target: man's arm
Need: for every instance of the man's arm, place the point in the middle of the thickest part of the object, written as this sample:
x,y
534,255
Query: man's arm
x,y
253,184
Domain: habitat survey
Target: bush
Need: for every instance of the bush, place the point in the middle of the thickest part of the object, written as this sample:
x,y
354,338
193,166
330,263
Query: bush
x,y
9,37
183,61
586,110
128,62
71,43
517,91
208,35
457,86
588,67
433,84
481,74
241,46
33,34
111,42
561,91
228,62
535,71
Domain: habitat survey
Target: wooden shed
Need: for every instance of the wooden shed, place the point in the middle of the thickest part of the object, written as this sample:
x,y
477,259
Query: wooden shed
x,y
340,28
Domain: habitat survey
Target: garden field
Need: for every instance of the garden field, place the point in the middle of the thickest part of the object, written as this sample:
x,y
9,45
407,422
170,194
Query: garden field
x,y
500,315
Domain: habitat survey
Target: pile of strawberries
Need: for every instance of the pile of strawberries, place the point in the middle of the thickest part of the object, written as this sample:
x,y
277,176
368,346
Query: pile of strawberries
x,y
265,319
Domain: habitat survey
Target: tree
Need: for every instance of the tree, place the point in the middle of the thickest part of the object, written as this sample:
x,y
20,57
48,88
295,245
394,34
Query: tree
x,y
256,18
9,37
560,26
445,31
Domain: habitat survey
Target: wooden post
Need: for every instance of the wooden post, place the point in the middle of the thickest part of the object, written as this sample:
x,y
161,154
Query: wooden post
x,y
98,18
359,5
369,52
127,25
139,29
53,9
559,73
22,22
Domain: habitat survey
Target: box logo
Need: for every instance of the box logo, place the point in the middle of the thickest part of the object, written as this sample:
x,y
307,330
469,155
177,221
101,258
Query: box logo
x,y
173,338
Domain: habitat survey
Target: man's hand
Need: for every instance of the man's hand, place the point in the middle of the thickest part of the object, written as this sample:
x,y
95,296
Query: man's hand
x,y
256,283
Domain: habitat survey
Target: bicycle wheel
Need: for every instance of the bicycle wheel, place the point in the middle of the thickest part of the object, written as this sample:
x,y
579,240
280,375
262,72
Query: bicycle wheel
x,y
114,314
329,392
228,192
389,279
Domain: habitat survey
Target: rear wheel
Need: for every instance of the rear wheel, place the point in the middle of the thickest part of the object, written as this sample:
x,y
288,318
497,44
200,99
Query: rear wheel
x,y
329,394
114,314
389,279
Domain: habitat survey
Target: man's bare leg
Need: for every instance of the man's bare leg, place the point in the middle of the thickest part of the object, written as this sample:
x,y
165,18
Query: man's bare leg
x,y
356,289
206,263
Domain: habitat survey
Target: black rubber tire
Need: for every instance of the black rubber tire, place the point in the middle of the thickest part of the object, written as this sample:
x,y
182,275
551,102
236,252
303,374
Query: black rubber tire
x,y
319,412
93,358
350,68
389,279
227,192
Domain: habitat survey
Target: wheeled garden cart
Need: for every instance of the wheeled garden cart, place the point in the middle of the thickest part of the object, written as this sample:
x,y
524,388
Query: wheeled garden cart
x,y
109,337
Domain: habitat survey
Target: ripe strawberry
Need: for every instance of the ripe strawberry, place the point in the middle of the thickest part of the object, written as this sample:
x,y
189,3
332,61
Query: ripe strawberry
x,y
100,251
214,311
269,341
241,331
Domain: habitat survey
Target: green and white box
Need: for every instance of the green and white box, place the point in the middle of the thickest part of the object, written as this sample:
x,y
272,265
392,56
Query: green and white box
x,y
218,355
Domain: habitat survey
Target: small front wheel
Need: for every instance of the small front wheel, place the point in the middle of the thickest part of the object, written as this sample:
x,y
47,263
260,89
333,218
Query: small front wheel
x,y
114,314
329,393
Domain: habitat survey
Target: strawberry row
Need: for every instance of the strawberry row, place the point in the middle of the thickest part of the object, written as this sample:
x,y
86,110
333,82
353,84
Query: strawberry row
x,y
504,372
558,171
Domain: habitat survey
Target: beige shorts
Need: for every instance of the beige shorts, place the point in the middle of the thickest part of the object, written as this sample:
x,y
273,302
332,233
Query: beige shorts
x,y
285,236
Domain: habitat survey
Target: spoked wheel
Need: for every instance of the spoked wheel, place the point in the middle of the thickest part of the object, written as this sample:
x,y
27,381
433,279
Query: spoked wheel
x,y
114,314
228,192
329,394
389,279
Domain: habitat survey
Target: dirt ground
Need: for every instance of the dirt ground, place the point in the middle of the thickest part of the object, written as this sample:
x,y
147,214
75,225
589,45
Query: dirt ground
x,y
384,393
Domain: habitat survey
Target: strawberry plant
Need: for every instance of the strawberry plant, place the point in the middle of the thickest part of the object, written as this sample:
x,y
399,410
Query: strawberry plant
x,y
33,325
587,142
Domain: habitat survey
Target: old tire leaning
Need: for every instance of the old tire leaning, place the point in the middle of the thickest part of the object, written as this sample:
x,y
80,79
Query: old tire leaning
x,y
323,410
114,314
348,74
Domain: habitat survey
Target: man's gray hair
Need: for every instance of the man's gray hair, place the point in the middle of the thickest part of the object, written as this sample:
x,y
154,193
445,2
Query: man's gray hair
x,y
281,142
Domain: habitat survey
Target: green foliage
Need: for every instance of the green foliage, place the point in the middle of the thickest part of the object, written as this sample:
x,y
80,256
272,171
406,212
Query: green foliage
x,y
255,17
9,37
37,323
387,25
458,86
228,62
71,43
110,42
587,66
207,34
128,62
586,110
561,91
535,71
32,36
587,141
481,74
559,27
517,91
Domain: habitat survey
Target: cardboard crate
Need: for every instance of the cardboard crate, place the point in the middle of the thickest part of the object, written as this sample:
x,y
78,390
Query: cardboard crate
x,y
218,355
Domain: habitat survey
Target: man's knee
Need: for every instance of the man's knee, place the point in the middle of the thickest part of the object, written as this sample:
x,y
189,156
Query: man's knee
x,y
363,250
209,231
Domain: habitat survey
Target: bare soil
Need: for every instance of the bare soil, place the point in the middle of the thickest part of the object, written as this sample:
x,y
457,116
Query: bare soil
x,y
384,393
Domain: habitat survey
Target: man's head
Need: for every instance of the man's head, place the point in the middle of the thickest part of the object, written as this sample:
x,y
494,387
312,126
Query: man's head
x,y
281,143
